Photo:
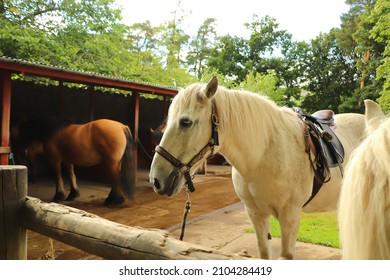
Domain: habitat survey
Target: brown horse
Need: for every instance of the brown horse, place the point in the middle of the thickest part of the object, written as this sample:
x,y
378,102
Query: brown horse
x,y
101,141
23,155
158,133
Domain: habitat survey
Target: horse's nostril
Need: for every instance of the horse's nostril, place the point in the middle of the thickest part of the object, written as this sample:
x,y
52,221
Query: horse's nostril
x,y
157,184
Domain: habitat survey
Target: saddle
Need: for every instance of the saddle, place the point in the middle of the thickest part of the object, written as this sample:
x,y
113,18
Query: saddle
x,y
327,147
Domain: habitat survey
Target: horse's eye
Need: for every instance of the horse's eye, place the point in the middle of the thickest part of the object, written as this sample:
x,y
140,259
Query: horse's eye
x,y
185,123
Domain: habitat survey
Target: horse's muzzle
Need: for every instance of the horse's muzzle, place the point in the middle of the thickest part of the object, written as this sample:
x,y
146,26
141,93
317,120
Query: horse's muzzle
x,y
170,186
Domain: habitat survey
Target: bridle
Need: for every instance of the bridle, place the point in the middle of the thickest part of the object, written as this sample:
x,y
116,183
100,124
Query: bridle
x,y
185,168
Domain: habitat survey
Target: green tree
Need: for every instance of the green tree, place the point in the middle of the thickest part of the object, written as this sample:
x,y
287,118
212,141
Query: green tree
x,y
367,49
267,49
201,47
380,32
330,74
355,35
229,56
236,57
50,15
84,35
174,39
144,37
264,84
54,32
264,41
293,71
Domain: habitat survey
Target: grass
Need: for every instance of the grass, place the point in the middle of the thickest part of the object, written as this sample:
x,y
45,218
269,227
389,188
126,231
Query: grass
x,y
315,228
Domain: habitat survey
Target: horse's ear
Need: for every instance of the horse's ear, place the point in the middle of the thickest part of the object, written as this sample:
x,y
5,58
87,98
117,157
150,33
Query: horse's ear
x,y
211,87
374,115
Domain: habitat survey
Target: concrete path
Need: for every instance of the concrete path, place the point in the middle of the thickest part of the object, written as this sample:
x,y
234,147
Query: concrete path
x,y
226,230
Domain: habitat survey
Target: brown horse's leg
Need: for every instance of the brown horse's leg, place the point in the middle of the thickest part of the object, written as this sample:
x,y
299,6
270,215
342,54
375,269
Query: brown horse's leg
x,y
115,196
74,190
60,195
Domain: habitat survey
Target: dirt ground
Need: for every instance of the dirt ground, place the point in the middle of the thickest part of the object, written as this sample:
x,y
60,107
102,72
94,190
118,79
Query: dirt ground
x,y
217,218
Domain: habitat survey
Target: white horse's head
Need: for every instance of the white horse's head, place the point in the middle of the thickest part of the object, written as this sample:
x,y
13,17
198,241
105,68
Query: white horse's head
x,y
187,140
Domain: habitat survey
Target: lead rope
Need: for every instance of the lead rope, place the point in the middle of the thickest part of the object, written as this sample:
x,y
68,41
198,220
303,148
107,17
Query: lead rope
x,y
186,211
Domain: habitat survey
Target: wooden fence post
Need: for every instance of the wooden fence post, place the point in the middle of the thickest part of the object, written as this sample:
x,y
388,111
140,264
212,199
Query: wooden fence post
x,y
13,192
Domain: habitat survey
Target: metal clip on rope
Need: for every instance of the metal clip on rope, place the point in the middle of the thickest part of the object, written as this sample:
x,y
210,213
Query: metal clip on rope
x,y
186,211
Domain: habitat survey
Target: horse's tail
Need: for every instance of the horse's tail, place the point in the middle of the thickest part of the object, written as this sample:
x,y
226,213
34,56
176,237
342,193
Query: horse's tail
x,y
127,167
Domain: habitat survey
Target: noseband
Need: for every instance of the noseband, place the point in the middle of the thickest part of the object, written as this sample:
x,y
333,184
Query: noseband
x,y
185,168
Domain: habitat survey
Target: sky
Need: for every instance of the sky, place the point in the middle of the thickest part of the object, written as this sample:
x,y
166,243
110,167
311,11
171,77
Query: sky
x,y
304,19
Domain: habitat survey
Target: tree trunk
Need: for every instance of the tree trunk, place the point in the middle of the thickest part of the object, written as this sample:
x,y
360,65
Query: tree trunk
x,y
366,56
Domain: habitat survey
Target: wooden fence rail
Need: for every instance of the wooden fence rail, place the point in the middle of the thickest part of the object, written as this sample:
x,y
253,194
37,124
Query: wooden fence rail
x,y
81,229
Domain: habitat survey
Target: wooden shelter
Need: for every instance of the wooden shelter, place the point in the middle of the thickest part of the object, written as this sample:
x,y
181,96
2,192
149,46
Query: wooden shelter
x,y
8,66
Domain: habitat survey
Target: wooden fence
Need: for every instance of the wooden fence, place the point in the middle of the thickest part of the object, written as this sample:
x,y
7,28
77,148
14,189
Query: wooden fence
x,y
81,229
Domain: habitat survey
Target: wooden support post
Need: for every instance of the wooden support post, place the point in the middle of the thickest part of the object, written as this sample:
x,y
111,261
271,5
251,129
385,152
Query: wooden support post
x,y
13,192
5,94
135,132
60,99
91,92
165,113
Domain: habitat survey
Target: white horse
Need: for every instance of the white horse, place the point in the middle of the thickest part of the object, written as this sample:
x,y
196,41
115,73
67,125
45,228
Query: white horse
x,y
364,209
264,143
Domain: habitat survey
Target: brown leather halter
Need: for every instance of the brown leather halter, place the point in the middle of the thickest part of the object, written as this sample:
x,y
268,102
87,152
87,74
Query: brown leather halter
x,y
186,167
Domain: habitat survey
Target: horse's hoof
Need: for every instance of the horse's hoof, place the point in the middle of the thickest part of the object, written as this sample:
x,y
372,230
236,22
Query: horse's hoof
x,y
58,197
72,195
114,201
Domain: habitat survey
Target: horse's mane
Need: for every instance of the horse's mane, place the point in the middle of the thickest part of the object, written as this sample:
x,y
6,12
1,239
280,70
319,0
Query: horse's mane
x,y
254,116
40,129
364,202
247,110
372,158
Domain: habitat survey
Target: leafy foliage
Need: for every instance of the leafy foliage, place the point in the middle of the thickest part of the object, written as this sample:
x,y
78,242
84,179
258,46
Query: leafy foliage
x,y
336,70
264,84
